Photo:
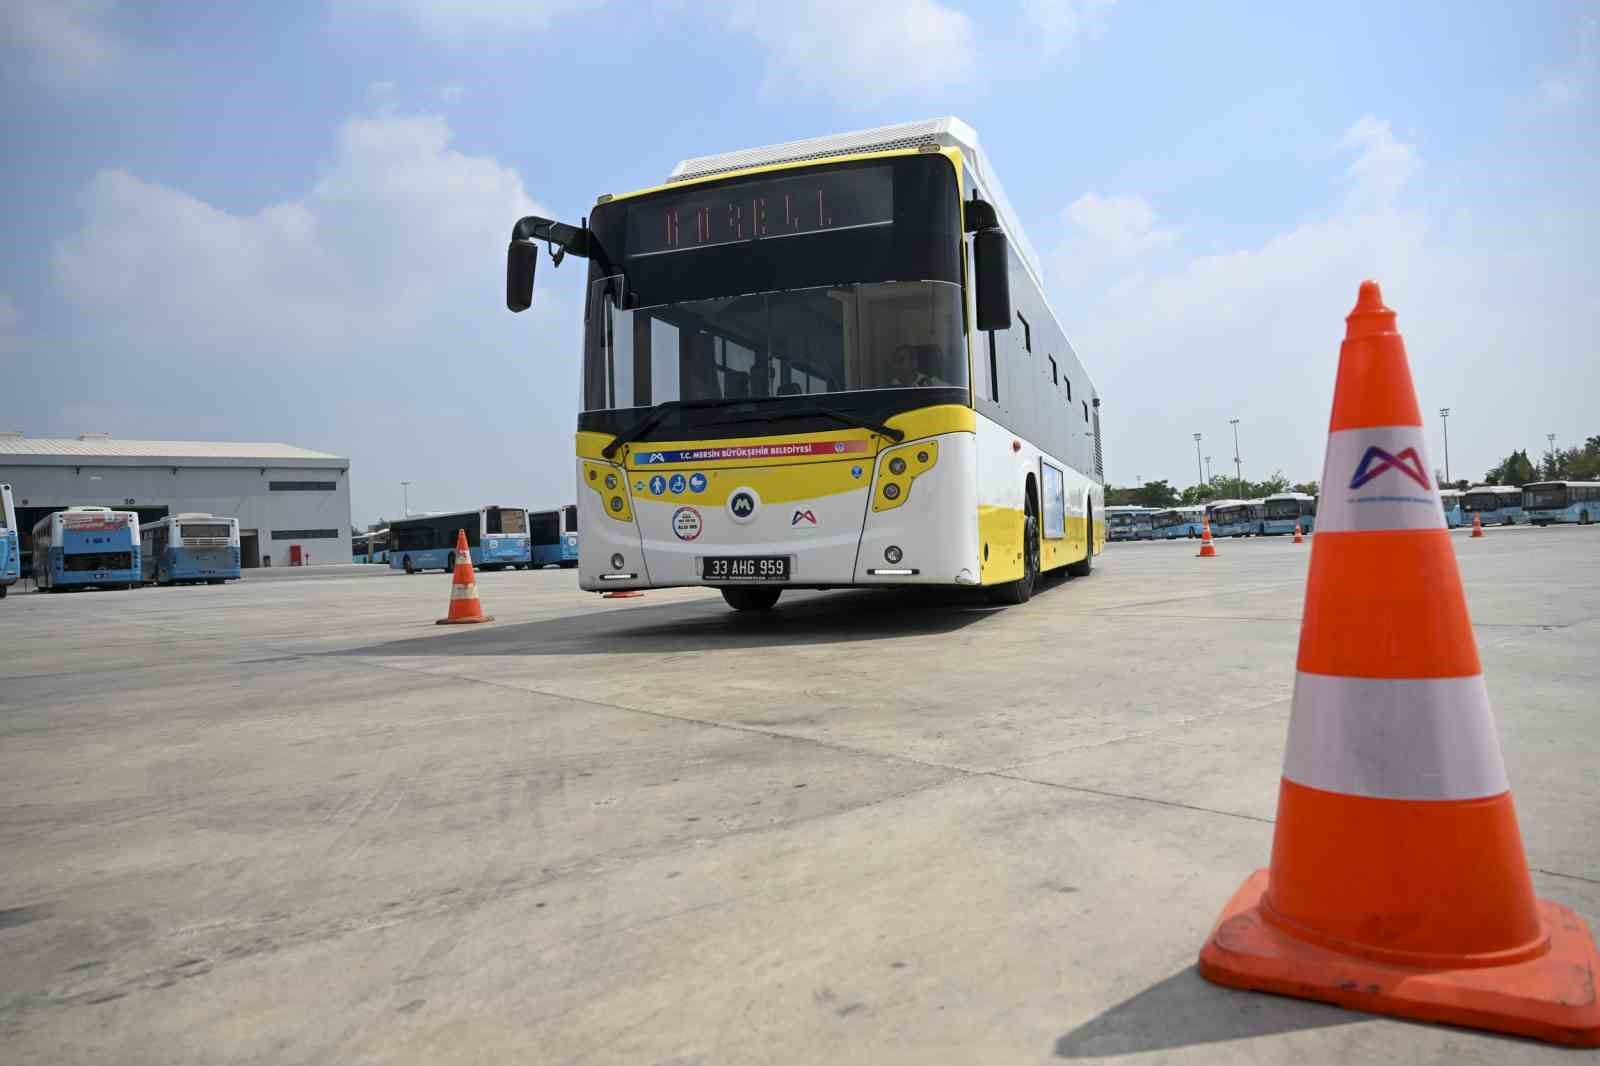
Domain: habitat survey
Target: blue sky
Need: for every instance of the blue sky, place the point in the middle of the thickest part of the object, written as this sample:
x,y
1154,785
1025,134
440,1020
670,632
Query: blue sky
x,y
288,222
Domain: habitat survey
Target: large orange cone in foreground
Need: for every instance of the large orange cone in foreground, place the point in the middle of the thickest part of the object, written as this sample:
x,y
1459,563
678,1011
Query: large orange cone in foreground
x,y
1398,883
465,607
1208,550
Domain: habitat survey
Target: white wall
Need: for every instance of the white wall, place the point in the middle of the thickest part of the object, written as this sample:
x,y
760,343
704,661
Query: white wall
x,y
239,492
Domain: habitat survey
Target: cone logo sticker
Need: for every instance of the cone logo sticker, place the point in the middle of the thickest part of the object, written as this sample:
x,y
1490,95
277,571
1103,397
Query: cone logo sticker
x,y
1376,461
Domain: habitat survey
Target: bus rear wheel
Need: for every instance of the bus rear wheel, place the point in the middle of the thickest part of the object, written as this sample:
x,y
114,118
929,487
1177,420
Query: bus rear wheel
x,y
406,562
450,563
1085,566
1583,518
753,598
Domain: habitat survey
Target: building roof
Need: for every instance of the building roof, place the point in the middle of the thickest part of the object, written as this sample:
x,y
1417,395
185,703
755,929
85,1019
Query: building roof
x,y
95,448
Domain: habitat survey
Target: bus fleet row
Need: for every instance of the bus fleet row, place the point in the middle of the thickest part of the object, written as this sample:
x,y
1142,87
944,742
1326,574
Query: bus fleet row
x,y
1541,504
99,547
498,538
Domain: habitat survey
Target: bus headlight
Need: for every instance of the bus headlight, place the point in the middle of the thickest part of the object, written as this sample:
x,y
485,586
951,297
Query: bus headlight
x,y
899,469
892,554
617,561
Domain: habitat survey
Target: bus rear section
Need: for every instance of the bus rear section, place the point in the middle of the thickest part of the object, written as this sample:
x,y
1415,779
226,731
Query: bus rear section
x,y
1176,524
1122,523
10,545
1493,505
87,547
190,549
1281,512
553,536
1232,518
1552,502
1450,500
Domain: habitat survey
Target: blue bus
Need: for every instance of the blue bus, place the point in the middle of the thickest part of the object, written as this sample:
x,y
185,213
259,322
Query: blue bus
x,y
1129,522
1450,500
1495,505
554,536
10,549
372,547
1281,511
189,549
1561,501
1236,518
1177,522
496,536
85,547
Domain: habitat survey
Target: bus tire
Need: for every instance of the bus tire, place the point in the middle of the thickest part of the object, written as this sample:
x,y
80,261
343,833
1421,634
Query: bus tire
x,y
751,598
1020,591
406,562
3,589
1583,518
450,563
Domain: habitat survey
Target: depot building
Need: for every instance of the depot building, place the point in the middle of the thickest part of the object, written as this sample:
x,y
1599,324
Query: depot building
x,y
293,504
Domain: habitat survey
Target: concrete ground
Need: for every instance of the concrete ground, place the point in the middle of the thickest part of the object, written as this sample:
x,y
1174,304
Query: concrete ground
x,y
295,822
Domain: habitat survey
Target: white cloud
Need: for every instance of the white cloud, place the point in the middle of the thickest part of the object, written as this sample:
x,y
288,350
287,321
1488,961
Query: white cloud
x,y
59,45
861,54
1124,226
1565,88
393,228
1253,332
1061,23
1383,165
451,18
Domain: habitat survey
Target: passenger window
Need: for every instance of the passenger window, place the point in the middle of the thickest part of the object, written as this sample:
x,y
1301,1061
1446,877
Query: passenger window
x,y
1027,333
1068,383
1053,379
1086,410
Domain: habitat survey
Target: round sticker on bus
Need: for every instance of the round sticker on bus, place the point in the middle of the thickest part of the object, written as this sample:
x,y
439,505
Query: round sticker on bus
x,y
686,524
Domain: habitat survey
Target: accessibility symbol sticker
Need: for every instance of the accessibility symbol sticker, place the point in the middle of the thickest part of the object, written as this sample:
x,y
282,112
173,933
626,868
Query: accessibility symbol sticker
x,y
697,483
658,485
676,484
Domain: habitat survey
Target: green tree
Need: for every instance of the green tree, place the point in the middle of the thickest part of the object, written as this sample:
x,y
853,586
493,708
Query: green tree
x,y
1310,488
1514,469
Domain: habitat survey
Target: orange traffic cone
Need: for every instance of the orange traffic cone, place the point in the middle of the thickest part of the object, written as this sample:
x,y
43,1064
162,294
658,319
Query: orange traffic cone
x,y
1208,550
1477,525
1398,883
465,607
1299,538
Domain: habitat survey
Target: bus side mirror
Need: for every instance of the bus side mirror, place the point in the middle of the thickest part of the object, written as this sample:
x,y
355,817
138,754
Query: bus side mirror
x,y
521,258
993,279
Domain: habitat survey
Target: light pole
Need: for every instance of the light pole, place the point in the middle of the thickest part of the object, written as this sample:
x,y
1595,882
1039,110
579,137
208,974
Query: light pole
x,y
1238,470
1444,416
1551,437
405,499
1208,470
1197,472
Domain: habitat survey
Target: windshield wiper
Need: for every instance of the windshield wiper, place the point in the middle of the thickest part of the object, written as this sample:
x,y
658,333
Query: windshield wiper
x,y
827,412
658,414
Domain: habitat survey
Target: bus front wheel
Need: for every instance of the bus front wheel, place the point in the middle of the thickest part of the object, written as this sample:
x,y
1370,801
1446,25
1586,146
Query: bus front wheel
x,y
753,598
450,563
1021,590
1583,518
406,562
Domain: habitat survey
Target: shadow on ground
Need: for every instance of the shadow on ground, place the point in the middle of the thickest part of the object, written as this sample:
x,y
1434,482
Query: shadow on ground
x,y
828,618
1186,1009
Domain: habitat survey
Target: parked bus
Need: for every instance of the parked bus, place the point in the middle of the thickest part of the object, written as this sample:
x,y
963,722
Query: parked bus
x,y
553,536
190,548
1494,505
370,547
1234,518
1177,523
497,537
1128,522
1281,511
1561,501
87,546
824,364
1450,500
10,547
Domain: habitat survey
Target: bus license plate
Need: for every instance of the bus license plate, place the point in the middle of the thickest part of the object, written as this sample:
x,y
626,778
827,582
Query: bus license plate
x,y
745,568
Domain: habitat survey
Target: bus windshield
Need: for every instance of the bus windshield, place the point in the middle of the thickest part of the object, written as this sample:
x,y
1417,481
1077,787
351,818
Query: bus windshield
x,y
1545,496
1283,508
843,278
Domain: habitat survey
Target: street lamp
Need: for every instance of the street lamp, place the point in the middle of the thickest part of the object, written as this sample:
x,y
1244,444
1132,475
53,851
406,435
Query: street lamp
x,y
405,499
1444,416
1197,456
1238,470
1551,437
1208,470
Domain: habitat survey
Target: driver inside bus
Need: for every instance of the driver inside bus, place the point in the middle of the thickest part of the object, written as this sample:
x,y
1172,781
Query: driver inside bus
x,y
906,367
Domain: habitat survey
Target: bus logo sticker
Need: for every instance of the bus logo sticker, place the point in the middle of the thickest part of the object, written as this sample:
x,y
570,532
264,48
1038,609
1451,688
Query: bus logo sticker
x,y
676,484
855,472
807,516
697,482
638,486
686,523
1376,461
658,485
742,505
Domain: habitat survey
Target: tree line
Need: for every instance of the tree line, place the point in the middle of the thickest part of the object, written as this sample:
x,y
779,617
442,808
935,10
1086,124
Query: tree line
x,y
1563,464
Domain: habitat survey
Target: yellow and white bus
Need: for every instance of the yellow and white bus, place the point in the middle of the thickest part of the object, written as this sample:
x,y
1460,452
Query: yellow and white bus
x,y
824,364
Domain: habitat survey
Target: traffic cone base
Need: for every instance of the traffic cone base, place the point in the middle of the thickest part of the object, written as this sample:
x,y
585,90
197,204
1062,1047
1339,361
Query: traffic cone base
x,y
1550,996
